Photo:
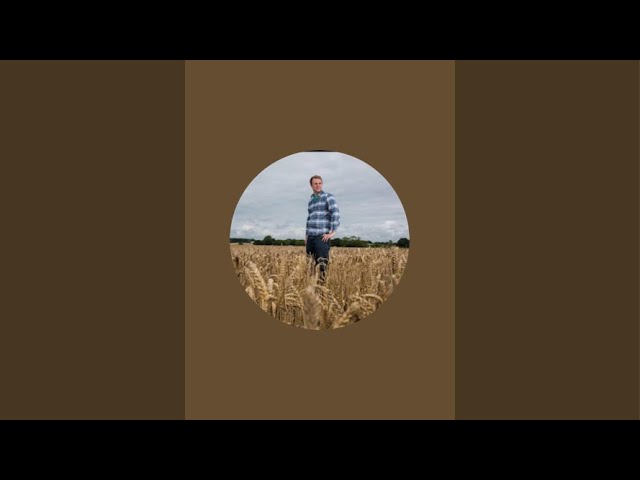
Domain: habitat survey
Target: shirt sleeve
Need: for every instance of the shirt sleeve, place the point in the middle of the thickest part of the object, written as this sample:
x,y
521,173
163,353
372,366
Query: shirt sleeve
x,y
335,213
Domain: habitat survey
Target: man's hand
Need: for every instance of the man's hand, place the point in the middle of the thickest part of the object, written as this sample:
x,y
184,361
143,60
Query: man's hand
x,y
327,236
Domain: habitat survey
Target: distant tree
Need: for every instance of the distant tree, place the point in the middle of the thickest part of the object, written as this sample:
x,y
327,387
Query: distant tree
x,y
258,242
403,243
336,242
268,240
353,242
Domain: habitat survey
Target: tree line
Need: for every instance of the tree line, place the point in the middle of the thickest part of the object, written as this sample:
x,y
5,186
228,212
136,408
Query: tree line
x,y
335,242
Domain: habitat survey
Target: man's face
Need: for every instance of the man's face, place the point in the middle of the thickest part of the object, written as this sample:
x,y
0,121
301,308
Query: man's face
x,y
316,184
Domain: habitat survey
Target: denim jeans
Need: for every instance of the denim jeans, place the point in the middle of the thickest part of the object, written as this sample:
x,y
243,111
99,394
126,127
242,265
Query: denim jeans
x,y
319,250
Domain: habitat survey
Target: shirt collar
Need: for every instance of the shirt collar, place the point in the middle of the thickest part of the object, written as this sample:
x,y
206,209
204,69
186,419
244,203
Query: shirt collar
x,y
314,193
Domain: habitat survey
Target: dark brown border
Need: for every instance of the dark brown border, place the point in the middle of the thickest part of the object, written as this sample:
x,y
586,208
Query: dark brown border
x,y
397,117
93,193
547,240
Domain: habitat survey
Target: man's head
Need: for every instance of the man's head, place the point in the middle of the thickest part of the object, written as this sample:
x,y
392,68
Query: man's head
x,y
316,183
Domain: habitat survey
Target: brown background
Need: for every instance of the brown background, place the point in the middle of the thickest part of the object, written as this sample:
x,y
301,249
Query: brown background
x,y
547,240
92,188
397,117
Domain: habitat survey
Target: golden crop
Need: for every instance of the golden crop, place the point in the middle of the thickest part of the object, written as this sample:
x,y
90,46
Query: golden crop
x,y
283,282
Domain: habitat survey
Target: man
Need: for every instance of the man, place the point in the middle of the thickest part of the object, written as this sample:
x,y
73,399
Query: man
x,y
322,222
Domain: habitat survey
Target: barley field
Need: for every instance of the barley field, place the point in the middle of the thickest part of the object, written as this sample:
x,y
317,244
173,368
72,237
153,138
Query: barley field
x,y
283,282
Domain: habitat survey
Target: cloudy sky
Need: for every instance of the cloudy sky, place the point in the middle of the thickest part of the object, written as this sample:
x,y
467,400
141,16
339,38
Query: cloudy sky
x,y
275,202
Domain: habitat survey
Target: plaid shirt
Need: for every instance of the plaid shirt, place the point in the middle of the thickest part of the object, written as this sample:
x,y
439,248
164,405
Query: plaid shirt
x,y
324,215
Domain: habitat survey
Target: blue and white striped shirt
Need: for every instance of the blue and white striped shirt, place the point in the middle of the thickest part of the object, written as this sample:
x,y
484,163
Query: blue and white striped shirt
x,y
324,215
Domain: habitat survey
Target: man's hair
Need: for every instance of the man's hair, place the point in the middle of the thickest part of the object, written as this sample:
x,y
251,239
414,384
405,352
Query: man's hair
x,y
315,176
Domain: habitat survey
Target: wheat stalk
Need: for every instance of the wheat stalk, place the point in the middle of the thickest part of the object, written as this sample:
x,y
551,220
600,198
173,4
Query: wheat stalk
x,y
283,281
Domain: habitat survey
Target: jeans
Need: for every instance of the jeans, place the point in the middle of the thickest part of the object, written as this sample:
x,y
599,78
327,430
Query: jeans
x,y
319,250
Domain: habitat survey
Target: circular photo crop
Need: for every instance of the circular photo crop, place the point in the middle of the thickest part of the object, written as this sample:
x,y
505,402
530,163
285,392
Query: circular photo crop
x,y
319,240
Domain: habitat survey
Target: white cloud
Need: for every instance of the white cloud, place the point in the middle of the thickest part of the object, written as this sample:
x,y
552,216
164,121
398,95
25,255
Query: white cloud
x,y
275,202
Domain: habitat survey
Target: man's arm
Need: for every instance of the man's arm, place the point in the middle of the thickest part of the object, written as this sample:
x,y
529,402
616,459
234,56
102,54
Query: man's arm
x,y
335,218
335,214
